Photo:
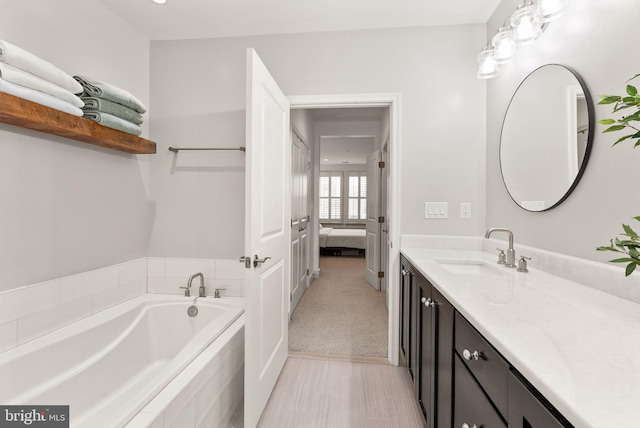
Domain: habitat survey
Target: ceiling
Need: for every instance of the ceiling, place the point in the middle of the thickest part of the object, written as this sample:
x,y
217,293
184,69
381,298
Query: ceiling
x,y
345,150
196,19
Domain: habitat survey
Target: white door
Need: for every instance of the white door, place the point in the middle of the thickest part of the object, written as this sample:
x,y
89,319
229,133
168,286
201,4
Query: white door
x,y
300,165
372,254
267,210
384,227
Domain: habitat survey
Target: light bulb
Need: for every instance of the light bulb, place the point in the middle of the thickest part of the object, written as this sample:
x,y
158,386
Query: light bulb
x,y
548,10
488,65
504,47
525,29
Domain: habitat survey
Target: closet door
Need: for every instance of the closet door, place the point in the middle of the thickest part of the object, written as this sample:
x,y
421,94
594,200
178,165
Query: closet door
x,y
300,165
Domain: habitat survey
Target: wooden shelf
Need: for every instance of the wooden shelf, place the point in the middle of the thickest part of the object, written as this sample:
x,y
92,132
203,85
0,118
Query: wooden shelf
x,y
27,114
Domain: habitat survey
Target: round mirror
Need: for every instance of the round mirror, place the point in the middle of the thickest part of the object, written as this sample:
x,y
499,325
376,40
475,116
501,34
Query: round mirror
x,y
546,137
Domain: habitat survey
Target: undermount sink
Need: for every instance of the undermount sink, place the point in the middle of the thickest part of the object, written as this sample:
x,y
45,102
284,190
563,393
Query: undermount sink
x,y
471,267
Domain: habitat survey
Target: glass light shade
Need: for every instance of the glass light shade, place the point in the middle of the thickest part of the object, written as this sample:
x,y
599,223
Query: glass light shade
x,y
525,29
488,65
503,45
160,1
548,10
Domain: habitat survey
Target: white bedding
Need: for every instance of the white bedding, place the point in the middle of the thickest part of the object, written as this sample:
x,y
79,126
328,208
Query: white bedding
x,y
342,238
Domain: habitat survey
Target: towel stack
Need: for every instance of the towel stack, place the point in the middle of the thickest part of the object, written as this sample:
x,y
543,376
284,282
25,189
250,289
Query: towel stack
x,y
27,76
111,106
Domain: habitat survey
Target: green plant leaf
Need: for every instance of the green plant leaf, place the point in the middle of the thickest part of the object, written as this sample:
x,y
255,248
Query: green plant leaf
x,y
614,128
637,217
633,77
607,121
629,231
609,99
622,260
622,139
630,268
631,90
634,116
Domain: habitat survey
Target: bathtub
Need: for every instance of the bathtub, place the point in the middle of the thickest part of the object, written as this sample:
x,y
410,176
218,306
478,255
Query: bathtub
x,y
109,366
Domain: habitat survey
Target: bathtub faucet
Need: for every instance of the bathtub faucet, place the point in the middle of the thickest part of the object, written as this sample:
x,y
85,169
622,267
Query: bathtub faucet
x,y
201,290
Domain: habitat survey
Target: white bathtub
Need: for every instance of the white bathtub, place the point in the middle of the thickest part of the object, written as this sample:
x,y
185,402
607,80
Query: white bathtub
x,y
109,366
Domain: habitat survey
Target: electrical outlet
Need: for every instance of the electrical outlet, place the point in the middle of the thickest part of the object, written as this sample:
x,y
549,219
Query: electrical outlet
x,y
436,209
465,209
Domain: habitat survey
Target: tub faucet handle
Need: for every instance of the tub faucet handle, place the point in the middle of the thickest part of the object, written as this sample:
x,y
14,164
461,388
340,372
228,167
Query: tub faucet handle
x,y
502,257
522,264
187,292
216,292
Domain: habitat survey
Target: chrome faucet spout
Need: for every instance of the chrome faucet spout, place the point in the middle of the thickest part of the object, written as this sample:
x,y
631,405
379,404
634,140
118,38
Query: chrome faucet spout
x,y
511,254
201,290
187,289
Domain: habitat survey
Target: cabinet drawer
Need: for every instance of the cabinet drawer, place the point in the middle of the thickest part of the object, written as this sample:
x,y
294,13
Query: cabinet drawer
x,y
486,364
471,406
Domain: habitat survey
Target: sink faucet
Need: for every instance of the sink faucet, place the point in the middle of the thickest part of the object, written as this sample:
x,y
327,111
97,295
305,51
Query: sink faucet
x,y
201,291
511,254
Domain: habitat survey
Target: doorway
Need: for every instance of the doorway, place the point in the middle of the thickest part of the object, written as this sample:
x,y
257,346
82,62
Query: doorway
x,y
350,144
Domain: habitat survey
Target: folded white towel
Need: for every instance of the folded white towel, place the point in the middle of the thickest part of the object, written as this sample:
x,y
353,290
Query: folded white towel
x,y
27,61
24,78
39,97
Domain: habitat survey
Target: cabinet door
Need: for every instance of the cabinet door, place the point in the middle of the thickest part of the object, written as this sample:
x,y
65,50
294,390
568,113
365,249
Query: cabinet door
x,y
527,411
414,328
444,359
405,310
471,405
427,354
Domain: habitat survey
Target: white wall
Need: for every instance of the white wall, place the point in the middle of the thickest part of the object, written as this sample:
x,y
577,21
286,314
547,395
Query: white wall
x,y
589,38
198,96
68,206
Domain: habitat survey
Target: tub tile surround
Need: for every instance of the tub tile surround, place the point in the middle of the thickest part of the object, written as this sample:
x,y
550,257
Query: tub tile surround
x,y
32,311
569,335
206,393
166,275
606,277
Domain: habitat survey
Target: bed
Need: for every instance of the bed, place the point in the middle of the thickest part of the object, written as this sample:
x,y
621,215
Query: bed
x,y
335,240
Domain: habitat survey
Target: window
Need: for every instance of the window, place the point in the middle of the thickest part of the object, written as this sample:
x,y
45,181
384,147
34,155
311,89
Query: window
x,y
357,195
330,196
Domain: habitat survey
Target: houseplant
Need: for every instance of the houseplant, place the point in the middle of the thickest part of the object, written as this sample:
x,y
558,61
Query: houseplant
x,y
629,245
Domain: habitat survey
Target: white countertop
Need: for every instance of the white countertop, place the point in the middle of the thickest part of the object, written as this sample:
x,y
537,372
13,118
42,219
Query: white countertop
x,y
580,347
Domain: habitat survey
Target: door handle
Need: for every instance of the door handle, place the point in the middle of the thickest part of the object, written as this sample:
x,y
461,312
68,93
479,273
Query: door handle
x,y
257,261
246,260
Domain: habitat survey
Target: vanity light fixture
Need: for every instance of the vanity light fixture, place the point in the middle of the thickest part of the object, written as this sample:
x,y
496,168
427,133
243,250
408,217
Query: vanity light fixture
x,y
503,44
160,1
524,26
488,65
548,10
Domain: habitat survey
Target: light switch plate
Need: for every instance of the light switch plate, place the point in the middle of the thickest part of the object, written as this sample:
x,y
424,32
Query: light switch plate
x,y
436,209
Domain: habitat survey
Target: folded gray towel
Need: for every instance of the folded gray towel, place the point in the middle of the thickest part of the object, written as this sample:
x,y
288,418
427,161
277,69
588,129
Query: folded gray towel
x,y
106,106
93,88
111,121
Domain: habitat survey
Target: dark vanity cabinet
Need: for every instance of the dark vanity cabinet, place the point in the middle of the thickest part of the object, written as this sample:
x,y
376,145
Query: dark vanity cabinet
x,y
427,345
528,409
460,380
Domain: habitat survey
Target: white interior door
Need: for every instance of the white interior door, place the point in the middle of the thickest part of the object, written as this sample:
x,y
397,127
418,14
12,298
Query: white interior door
x,y
300,164
267,210
384,227
372,254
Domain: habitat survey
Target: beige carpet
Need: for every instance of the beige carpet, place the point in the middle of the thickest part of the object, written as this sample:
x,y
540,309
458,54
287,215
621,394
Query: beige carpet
x,y
340,313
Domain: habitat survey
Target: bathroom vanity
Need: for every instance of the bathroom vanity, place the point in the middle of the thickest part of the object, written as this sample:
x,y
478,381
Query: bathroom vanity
x,y
487,346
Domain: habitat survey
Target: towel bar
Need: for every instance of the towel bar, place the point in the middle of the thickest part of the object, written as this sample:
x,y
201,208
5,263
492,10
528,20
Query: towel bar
x,y
177,149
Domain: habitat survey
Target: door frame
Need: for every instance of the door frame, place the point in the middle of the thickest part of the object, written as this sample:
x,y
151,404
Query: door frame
x,y
392,101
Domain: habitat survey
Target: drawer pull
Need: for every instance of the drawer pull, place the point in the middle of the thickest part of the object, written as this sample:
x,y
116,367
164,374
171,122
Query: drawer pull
x,y
468,355
466,425
429,303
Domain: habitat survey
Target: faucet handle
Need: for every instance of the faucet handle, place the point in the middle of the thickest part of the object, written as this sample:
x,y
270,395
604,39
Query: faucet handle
x,y
522,264
502,257
216,292
187,293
